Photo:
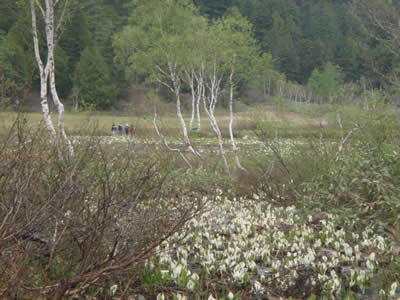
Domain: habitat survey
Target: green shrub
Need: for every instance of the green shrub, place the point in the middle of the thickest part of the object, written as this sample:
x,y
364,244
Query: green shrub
x,y
364,183
355,172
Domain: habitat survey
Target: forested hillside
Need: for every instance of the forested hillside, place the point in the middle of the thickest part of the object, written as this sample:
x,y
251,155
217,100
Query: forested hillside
x,y
301,35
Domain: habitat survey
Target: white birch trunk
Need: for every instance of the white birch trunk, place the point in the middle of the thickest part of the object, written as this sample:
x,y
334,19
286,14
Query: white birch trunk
x,y
199,93
234,147
192,79
51,58
177,89
199,96
48,73
44,74
60,108
209,107
191,83
215,127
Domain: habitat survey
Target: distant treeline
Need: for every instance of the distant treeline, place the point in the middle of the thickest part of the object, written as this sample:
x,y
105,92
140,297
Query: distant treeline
x,y
301,35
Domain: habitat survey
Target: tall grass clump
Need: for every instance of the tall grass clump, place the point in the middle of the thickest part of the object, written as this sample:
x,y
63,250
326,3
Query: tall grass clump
x,y
356,174
77,226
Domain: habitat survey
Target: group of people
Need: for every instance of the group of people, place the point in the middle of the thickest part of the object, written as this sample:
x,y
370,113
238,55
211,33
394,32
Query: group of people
x,y
129,130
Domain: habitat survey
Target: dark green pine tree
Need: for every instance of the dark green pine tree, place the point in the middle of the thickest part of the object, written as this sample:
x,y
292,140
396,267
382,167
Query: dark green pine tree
x,y
75,38
63,72
259,13
103,22
97,21
213,8
348,53
68,52
323,26
348,57
20,53
92,78
312,56
122,8
283,47
10,11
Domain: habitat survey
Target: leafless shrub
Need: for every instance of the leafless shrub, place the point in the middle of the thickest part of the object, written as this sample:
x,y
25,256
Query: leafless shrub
x,y
66,225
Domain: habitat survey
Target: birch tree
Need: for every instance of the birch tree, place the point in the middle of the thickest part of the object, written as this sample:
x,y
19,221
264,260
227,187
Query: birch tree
x,y
243,52
263,75
53,13
194,60
173,45
156,44
196,90
228,53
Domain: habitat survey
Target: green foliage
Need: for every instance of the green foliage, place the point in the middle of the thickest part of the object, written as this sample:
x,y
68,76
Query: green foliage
x,y
300,35
354,173
103,22
75,39
327,82
5,83
381,42
154,279
363,183
93,78
264,76
9,11
63,79
19,64
284,35
235,47
159,33
213,9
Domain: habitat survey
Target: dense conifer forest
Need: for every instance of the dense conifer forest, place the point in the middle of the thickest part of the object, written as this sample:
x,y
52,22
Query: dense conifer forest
x,y
301,35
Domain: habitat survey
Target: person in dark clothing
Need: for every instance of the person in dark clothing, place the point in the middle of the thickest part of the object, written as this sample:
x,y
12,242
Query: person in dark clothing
x,y
113,129
127,129
120,129
132,130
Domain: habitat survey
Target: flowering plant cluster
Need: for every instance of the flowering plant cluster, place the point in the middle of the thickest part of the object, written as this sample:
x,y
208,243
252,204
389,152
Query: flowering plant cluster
x,y
249,247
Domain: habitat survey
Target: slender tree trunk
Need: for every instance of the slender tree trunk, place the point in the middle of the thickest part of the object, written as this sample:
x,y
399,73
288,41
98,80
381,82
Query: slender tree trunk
x,y
265,89
212,101
51,58
183,124
180,116
60,108
196,98
199,93
191,83
176,88
234,147
215,127
48,73
44,75
199,96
